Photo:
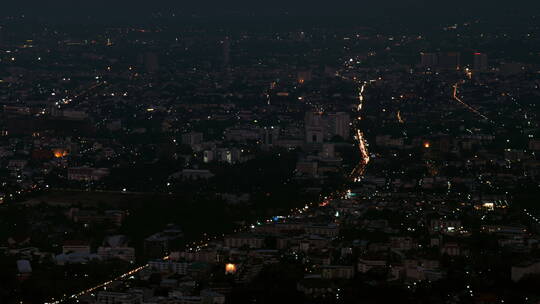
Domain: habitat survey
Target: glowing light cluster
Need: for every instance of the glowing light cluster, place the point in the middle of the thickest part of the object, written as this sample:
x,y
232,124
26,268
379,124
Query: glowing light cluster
x,y
362,143
230,268
59,153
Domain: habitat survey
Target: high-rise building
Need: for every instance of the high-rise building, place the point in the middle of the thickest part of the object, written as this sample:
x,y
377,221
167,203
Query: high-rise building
x,y
428,60
338,125
304,76
480,62
314,124
320,127
449,60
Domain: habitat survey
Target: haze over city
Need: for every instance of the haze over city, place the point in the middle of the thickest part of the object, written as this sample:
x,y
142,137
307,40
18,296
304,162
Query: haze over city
x,y
216,152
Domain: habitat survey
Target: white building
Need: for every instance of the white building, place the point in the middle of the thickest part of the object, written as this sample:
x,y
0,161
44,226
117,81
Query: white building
x,y
167,266
108,297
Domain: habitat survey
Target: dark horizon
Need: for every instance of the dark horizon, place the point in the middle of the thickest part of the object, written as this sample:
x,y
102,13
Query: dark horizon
x,y
139,10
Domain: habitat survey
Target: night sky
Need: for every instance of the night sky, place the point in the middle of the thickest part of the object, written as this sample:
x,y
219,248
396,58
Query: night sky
x,y
122,9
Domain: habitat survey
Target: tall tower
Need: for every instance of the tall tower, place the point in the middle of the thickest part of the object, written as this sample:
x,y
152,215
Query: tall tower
x,y
314,124
480,62
226,52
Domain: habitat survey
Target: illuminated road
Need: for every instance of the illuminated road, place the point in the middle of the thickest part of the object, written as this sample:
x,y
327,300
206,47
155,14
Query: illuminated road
x,y
399,118
102,285
362,144
361,97
456,98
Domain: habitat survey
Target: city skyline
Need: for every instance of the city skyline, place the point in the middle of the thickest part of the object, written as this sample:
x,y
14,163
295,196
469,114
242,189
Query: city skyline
x,y
191,153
